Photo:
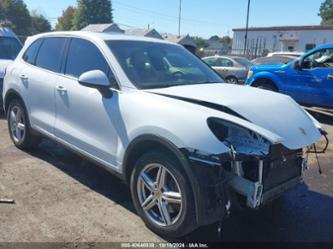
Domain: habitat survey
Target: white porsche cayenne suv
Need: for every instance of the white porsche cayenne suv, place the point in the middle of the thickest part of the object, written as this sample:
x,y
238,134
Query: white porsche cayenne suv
x,y
148,110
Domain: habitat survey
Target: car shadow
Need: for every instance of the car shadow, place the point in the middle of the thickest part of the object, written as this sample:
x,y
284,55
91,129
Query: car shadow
x,y
2,115
296,216
87,173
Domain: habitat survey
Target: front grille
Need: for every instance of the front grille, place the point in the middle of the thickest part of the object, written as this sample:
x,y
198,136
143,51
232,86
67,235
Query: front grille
x,y
282,170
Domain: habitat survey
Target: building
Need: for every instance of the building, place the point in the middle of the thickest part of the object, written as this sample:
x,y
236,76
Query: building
x,y
216,48
184,40
288,38
152,33
105,27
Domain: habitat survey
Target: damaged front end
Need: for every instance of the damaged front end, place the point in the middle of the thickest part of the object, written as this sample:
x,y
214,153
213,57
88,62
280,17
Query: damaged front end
x,y
254,169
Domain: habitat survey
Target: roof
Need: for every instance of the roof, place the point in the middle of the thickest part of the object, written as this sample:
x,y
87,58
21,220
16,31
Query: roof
x,y
103,27
185,40
7,32
98,36
144,32
287,28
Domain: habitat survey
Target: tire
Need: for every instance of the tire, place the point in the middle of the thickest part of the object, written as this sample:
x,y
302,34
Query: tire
x,y
232,80
266,85
19,126
178,218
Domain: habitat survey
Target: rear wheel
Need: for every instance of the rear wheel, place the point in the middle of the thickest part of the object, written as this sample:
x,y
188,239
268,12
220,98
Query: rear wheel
x,y
19,126
232,80
162,195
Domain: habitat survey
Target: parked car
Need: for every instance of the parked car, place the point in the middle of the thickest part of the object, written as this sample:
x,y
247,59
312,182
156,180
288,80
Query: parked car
x,y
188,145
10,46
309,80
285,53
233,69
273,60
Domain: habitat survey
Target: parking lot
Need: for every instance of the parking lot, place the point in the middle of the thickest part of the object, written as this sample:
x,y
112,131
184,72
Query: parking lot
x,y
61,197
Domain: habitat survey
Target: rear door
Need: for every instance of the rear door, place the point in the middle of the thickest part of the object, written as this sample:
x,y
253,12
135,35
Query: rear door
x,y
43,61
84,118
224,66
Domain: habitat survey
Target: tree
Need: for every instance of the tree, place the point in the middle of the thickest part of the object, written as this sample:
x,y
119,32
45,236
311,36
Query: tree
x,y
326,12
65,22
16,14
39,23
227,41
214,38
200,42
92,12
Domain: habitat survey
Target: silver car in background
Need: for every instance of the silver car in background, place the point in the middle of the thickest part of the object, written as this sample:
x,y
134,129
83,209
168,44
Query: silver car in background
x,y
233,69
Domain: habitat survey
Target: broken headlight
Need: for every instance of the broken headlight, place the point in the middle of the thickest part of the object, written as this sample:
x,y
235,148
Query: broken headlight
x,y
238,138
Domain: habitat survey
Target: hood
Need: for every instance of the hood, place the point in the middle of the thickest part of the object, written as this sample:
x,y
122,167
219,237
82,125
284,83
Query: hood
x,y
274,112
3,65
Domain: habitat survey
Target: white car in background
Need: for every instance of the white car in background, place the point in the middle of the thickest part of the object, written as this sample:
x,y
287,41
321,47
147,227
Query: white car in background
x,y
188,144
10,46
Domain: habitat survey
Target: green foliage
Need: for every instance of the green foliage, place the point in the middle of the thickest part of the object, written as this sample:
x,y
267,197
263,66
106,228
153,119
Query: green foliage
x,y
65,22
39,23
15,14
227,41
326,12
214,38
200,42
92,12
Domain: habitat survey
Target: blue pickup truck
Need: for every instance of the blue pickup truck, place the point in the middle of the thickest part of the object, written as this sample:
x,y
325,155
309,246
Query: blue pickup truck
x,y
309,79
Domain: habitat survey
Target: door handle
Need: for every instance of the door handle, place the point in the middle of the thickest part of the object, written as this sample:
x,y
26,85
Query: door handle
x,y
61,89
330,76
23,77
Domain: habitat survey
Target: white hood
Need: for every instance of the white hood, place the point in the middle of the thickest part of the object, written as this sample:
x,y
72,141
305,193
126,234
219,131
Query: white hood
x,y
274,112
3,65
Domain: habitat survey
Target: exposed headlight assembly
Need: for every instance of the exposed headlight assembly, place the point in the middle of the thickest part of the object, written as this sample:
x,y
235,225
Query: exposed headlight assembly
x,y
238,138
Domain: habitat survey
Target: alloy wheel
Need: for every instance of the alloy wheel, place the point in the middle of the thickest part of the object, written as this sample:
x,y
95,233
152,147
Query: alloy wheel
x,y
17,124
159,195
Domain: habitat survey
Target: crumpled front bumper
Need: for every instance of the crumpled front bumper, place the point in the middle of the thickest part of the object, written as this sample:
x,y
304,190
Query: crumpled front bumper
x,y
258,180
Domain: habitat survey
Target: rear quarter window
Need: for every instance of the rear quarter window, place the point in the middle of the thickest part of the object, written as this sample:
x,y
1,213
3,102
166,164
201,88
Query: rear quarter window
x,y
31,53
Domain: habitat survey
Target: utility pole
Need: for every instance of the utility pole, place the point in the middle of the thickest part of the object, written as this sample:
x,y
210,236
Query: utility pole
x,y
180,16
247,26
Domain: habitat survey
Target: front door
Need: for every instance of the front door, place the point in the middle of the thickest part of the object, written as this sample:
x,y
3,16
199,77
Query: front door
x,y
84,118
316,76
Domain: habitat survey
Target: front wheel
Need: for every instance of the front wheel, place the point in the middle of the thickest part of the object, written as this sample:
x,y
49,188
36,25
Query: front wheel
x,y
19,126
162,195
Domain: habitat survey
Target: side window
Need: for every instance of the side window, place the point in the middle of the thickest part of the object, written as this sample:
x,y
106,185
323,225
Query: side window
x,y
84,56
50,54
320,59
222,62
210,61
31,53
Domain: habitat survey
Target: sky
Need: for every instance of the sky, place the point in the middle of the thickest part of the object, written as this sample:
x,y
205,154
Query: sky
x,y
199,17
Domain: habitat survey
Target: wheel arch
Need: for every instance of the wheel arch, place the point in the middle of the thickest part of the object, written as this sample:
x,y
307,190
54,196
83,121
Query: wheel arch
x,y
267,80
10,95
148,142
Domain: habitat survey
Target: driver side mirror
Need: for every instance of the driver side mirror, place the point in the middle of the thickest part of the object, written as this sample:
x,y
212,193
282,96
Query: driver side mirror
x,y
96,79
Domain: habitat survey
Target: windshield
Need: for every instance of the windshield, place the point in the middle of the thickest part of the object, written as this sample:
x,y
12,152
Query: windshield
x,y
9,48
158,65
